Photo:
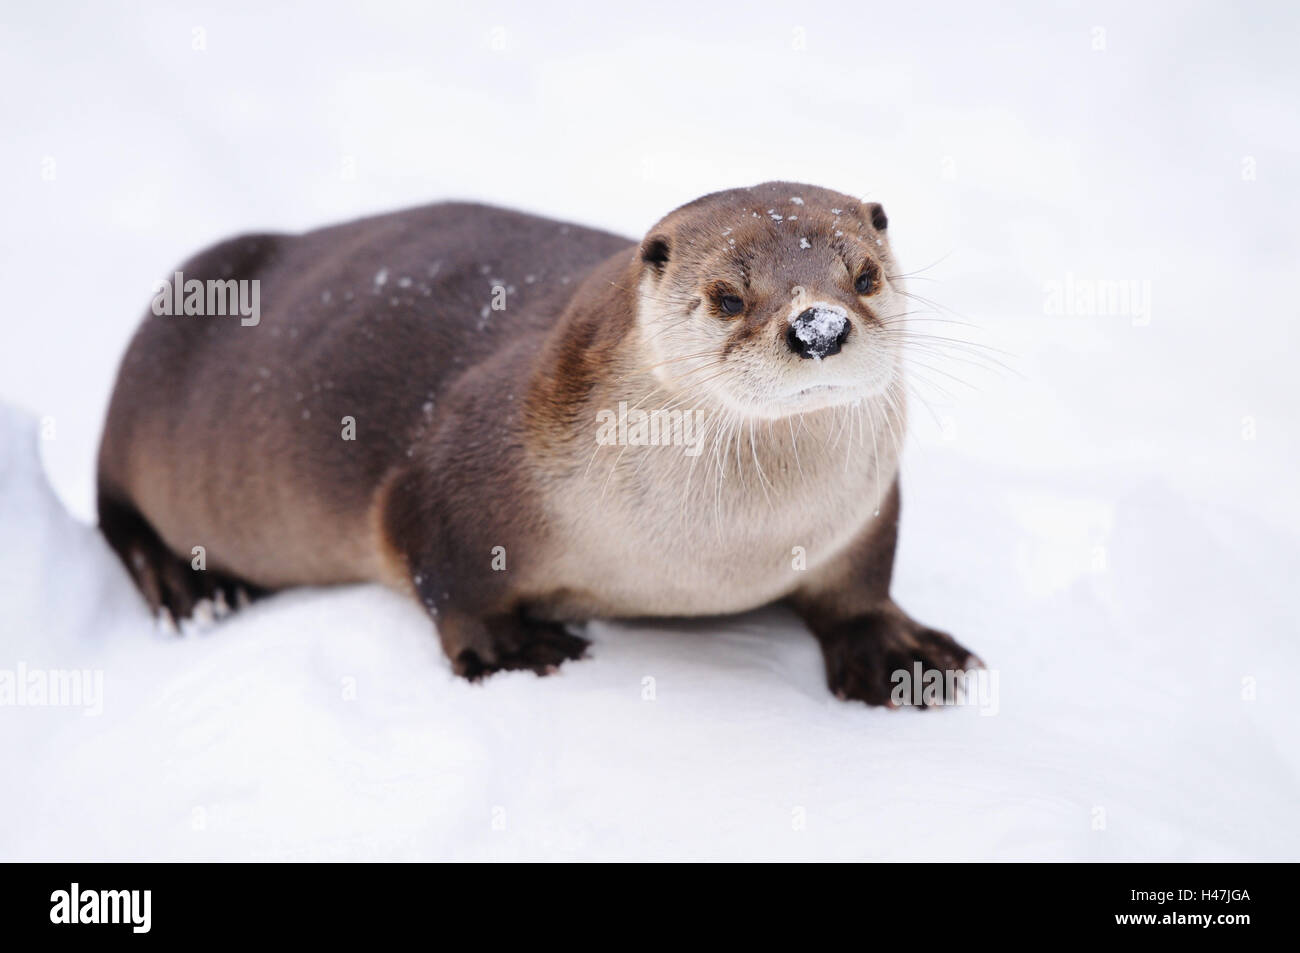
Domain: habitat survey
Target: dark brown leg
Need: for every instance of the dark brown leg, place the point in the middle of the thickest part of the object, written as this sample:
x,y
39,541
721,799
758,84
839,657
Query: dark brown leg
x,y
480,622
866,639
167,581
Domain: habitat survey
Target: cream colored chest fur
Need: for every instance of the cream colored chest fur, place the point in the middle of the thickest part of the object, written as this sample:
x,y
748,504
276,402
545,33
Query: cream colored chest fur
x,y
650,530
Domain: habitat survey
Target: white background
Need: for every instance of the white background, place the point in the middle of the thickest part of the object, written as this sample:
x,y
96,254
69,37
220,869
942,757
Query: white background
x,y
1111,524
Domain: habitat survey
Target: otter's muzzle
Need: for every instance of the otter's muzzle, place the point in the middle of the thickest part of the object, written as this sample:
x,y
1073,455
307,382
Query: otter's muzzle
x,y
818,333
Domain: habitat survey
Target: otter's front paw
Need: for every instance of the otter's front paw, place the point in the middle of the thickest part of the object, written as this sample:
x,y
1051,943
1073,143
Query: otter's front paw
x,y
517,644
873,658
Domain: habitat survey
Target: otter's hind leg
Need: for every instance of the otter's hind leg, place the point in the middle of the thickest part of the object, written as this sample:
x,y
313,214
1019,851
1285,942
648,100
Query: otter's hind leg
x,y
170,584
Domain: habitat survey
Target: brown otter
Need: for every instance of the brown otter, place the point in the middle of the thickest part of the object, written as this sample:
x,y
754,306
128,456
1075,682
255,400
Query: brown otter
x,y
429,399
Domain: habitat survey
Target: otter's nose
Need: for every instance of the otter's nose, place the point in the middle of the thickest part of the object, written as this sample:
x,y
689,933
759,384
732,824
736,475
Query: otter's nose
x,y
818,333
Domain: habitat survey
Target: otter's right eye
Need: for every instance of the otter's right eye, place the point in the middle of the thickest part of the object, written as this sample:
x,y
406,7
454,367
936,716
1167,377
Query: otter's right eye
x,y
730,304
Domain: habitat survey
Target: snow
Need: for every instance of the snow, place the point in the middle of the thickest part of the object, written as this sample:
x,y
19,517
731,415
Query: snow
x,y
819,329
1111,523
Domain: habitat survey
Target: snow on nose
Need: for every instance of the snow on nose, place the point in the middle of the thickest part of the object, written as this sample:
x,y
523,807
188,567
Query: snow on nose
x,y
818,332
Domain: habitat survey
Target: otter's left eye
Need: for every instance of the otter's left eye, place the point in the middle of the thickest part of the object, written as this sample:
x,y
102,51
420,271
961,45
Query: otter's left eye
x,y
730,304
865,284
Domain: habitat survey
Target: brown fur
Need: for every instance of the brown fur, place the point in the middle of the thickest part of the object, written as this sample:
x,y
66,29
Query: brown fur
x,y
474,431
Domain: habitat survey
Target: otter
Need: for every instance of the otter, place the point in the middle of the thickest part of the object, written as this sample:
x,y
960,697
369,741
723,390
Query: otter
x,y
426,401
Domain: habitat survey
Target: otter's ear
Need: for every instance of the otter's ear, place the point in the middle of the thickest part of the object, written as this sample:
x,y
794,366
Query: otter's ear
x,y
876,215
654,252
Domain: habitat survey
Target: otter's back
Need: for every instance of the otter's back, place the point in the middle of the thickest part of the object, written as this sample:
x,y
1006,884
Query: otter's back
x,y
232,436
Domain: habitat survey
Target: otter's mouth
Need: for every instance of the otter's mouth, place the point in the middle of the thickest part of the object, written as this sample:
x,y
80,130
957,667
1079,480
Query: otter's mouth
x,y
817,389
818,396
819,392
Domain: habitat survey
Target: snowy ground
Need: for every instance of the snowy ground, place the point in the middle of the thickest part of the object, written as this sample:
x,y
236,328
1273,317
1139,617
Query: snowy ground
x,y
1112,526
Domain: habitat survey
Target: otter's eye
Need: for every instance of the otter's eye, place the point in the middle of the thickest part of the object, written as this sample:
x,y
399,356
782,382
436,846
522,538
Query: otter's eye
x,y
731,304
865,284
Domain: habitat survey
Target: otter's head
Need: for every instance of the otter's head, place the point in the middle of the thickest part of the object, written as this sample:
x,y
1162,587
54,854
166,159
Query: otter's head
x,y
772,300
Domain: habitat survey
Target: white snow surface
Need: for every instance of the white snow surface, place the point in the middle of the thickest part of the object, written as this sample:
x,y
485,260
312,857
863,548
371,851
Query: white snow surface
x,y
1111,523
